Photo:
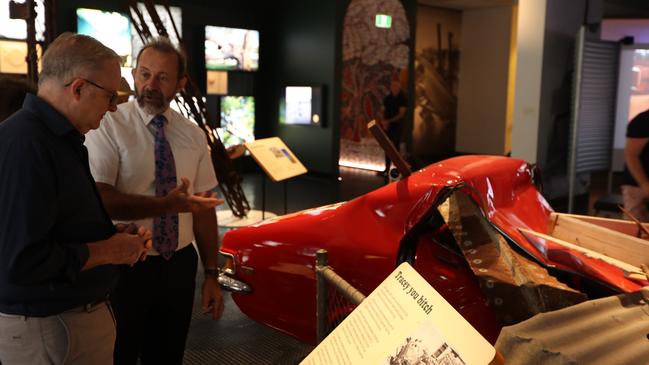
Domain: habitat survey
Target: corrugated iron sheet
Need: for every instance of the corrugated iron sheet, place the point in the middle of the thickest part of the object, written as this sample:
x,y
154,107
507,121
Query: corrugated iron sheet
x,y
610,330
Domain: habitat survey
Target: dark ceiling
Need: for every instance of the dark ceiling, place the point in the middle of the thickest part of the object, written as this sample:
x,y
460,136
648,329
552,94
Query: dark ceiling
x,y
626,9
611,8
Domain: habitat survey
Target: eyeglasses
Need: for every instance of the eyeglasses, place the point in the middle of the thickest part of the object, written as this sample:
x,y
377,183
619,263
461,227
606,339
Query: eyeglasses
x,y
112,100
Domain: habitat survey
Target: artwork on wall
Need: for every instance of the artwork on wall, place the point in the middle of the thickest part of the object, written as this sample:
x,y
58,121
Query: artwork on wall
x,y
12,57
217,82
372,58
437,61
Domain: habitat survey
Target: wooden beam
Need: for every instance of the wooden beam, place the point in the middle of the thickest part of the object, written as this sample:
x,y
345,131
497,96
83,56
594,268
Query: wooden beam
x,y
390,149
633,218
619,225
629,269
606,241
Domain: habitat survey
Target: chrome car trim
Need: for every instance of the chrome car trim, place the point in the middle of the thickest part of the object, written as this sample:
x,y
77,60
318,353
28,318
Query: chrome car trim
x,y
233,285
227,256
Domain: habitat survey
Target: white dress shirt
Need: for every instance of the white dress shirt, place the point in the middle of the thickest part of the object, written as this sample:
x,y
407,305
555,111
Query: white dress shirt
x,y
121,154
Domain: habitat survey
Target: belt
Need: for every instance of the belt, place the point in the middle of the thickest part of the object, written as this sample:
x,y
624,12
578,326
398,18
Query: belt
x,y
88,307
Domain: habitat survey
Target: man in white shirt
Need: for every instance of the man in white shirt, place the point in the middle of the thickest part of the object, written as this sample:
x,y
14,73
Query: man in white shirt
x,y
137,153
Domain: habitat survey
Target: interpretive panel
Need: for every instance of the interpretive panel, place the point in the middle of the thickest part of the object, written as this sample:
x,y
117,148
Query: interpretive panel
x,y
403,321
275,158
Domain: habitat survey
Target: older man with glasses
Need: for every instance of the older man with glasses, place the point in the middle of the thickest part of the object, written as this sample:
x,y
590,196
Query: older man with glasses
x,y
58,247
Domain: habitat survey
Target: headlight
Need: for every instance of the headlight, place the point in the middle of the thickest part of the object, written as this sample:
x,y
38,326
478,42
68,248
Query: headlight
x,y
227,263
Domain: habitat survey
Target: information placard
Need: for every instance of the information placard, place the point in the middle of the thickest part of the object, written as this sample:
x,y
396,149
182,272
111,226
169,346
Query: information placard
x,y
275,158
403,321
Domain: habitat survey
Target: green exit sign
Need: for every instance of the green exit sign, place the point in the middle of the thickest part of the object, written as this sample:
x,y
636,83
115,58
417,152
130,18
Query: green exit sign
x,y
383,21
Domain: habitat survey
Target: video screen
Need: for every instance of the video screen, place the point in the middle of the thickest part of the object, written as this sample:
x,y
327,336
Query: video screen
x,y
237,120
301,105
298,105
229,49
113,29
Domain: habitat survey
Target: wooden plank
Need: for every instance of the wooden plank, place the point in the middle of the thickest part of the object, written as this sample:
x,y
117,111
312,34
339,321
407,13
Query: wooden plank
x,y
390,149
633,218
611,243
624,266
620,225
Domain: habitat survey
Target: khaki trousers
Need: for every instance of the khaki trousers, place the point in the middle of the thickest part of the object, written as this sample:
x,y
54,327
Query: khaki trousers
x,y
80,336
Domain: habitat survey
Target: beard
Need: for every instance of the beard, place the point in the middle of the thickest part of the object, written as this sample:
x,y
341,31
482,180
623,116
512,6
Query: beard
x,y
153,101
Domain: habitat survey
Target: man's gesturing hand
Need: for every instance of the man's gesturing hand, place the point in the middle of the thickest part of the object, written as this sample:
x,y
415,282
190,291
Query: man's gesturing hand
x,y
181,201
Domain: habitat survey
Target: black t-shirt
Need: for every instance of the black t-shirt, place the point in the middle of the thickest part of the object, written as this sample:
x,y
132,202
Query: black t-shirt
x,y
392,104
638,128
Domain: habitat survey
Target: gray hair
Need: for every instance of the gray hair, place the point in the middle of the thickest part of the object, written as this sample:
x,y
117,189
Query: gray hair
x,y
72,53
164,45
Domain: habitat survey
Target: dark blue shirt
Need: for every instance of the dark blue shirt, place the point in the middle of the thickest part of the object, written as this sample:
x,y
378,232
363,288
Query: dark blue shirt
x,y
49,210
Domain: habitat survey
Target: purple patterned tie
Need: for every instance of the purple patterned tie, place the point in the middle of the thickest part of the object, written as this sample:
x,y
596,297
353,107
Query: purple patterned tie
x,y
165,227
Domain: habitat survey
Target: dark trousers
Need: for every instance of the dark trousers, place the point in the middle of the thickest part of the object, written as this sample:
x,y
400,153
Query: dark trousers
x,y
394,132
153,305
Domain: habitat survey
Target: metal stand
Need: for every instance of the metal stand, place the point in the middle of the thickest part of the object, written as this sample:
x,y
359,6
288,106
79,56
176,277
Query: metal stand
x,y
263,195
285,195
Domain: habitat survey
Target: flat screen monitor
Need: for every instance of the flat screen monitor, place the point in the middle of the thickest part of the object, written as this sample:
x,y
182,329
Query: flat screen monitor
x,y
237,120
301,105
231,49
113,29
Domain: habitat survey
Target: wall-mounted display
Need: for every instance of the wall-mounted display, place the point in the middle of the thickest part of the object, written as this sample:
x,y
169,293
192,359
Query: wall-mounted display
x,y
301,105
237,120
17,28
217,82
110,28
231,49
12,57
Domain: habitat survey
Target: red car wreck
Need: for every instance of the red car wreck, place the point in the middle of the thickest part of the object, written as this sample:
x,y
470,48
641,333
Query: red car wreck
x,y
475,227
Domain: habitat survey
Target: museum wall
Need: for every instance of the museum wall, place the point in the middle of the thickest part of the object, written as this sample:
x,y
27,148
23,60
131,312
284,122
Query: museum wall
x,y
300,44
484,72
437,61
561,27
302,53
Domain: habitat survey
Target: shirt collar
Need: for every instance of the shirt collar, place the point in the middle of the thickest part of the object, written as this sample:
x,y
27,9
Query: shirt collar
x,y
146,117
52,118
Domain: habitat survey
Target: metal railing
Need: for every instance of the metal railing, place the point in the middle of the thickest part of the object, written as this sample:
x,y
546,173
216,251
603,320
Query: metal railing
x,y
335,297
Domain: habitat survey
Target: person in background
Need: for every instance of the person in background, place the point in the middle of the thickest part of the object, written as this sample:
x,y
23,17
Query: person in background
x,y
152,164
58,247
12,94
394,109
635,183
